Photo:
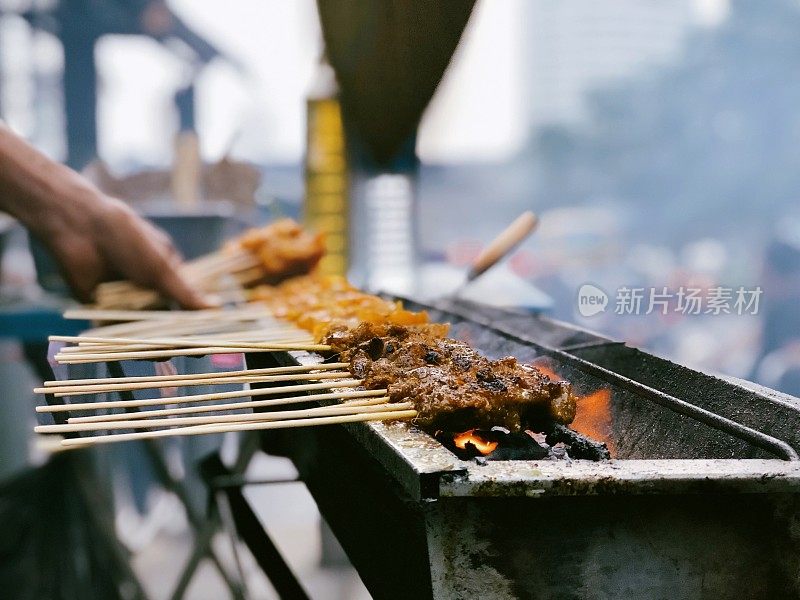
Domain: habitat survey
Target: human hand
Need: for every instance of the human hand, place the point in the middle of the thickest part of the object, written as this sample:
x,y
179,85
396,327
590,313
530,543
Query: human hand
x,y
95,238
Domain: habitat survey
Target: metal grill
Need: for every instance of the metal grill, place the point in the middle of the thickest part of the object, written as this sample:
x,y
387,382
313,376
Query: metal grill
x,y
702,462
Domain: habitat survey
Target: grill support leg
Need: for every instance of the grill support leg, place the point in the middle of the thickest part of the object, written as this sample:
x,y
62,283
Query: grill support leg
x,y
253,534
201,526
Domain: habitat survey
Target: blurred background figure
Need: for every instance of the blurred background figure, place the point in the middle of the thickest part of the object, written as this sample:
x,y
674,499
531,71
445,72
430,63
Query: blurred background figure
x,y
79,25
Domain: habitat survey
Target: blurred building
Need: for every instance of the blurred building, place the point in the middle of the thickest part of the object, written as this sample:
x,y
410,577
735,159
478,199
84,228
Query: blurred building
x,y
575,46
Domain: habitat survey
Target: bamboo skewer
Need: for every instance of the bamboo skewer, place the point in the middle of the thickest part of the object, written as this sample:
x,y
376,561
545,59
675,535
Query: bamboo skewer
x,y
155,327
159,329
224,263
192,376
93,348
371,406
196,397
246,312
249,404
210,429
208,274
71,390
180,342
255,342
145,354
255,334
185,322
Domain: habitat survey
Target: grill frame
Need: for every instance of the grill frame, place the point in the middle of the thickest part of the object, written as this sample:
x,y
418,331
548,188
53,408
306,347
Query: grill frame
x,y
418,522
427,470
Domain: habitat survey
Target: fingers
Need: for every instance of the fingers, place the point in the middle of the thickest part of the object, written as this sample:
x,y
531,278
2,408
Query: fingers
x,y
82,291
80,266
144,254
172,284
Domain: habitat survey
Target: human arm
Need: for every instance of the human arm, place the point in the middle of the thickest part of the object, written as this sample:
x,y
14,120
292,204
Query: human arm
x,y
92,236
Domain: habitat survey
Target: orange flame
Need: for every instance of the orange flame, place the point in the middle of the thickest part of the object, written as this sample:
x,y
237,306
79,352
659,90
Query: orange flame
x,y
593,414
484,446
550,373
593,418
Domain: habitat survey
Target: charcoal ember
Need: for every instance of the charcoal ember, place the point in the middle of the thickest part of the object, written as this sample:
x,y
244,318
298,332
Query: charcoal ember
x,y
518,446
579,446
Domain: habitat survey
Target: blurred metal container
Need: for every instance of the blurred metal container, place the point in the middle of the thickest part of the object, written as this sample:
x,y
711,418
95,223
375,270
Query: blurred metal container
x,y
384,244
197,229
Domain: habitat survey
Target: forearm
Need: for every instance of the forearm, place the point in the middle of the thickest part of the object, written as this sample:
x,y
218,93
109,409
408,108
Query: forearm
x,y
39,192
93,237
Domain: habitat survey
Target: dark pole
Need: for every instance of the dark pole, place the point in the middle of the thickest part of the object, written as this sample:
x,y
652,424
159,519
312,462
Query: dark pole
x,y
80,95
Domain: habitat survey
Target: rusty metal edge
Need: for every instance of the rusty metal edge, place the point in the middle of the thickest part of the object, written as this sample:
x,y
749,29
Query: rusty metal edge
x,y
539,479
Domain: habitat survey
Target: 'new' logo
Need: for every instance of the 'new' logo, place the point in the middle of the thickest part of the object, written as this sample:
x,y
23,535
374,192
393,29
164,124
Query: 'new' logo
x,y
591,300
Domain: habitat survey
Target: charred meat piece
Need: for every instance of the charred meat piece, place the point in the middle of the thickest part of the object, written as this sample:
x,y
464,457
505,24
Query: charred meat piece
x,y
452,386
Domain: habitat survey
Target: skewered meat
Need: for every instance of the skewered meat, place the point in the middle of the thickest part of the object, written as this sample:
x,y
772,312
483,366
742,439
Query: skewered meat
x,y
318,303
283,248
452,386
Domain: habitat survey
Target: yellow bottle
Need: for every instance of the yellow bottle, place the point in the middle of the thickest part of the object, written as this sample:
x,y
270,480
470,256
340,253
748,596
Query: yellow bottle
x,y
326,182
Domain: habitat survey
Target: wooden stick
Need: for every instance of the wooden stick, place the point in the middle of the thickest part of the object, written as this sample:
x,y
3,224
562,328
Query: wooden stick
x,y
256,334
150,329
69,392
509,238
259,341
192,376
205,259
93,348
210,318
196,397
144,328
344,396
371,406
146,354
176,342
72,390
257,331
210,429
241,313
234,261
254,337
249,276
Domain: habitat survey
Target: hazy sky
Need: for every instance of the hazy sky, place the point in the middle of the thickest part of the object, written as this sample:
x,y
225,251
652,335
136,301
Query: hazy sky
x,y
474,117
478,113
